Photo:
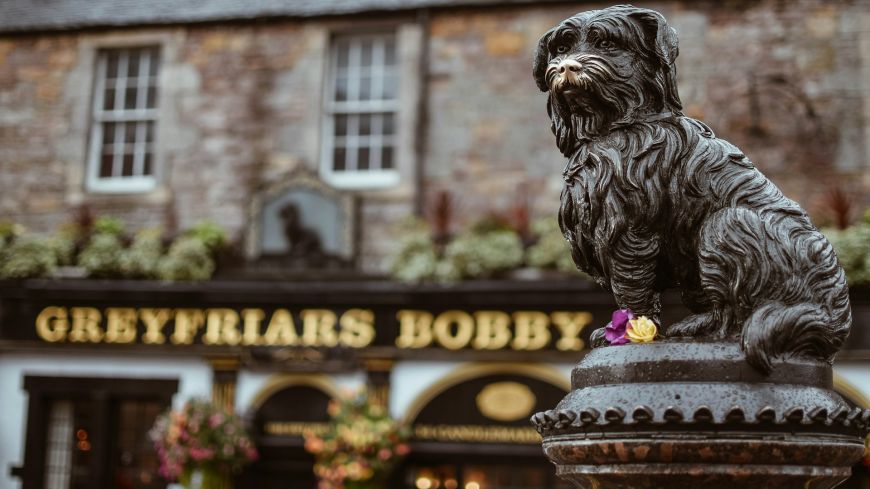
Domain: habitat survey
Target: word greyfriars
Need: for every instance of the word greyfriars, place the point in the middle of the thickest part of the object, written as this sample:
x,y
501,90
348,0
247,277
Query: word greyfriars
x,y
352,328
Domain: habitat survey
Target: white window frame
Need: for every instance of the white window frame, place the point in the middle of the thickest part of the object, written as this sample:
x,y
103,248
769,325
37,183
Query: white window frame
x,y
138,182
353,178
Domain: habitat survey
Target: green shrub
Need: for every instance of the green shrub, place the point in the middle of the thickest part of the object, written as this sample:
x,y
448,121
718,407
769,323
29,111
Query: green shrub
x,y
852,246
417,257
142,258
108,225
102,256
188,259
551,250
27,258
212,235
483,253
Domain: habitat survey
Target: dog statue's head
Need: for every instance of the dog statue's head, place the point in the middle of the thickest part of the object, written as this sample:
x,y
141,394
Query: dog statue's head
x,y
606,68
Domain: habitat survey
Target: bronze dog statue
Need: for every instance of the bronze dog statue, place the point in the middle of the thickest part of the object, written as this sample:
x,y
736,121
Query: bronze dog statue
x,y
653,200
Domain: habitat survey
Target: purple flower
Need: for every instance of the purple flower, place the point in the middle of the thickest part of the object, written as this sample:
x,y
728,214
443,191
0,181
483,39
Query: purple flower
x,y
614,332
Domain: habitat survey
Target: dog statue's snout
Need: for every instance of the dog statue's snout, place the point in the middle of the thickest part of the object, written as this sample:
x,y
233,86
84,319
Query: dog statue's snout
x,y
569,65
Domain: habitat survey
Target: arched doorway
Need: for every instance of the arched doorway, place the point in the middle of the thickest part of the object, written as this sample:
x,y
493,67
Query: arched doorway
x,y
279,414
471,430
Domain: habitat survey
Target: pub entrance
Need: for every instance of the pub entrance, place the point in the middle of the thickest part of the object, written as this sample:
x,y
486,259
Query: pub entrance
x,y
471,430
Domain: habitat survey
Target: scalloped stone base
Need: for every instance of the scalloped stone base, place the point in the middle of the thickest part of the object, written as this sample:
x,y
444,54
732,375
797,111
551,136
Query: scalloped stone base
x,y
673,415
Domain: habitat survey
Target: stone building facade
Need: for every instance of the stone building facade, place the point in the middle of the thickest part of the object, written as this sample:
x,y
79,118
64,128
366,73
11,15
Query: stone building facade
x,y
242,96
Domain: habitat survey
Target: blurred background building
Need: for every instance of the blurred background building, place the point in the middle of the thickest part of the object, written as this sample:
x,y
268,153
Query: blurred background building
x,y
279,152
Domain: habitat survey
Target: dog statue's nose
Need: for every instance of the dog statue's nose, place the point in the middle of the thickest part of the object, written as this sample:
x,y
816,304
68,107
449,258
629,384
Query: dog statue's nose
x,y
569,65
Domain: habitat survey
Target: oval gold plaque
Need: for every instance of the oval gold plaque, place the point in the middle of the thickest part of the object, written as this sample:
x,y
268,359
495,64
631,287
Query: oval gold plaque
x,y
506,401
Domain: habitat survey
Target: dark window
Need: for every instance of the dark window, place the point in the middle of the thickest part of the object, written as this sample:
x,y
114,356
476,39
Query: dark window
x,y
92,433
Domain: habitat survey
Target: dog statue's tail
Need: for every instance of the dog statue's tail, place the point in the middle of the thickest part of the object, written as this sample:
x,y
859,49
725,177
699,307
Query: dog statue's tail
x,y
800,330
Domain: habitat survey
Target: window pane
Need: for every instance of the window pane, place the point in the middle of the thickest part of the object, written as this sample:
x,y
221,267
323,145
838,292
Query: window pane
x,y
341,88
366,49
106,164
133,63
146,167
149,132
387,128
151,101
58,457
389,87
130,98
387,157
365,87
127,168
112,64
109,99
136,464
339,158
341,125
129,132
365,124
389,51
155,62
362,161
342,50
108,133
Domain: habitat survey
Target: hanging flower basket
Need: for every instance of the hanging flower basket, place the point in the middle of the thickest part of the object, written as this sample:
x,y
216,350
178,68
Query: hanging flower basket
x,y
361,446
201,445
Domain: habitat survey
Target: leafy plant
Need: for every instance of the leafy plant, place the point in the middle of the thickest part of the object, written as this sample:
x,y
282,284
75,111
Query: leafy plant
x,y
852,246
141,259
188,259
483,252
108,225
551,250
362,443
27,258
102,256
211,234
417,258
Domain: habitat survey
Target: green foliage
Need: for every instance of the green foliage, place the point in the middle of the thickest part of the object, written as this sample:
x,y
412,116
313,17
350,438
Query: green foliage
x,y
551,251
9,230
141,259
102,256
64,246
212,235
27,258
188,259
483,253
486,249
853,249
417,259
108,225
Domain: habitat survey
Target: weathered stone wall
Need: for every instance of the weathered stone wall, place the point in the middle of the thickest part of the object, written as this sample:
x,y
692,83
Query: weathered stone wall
x,y
240,108
785,81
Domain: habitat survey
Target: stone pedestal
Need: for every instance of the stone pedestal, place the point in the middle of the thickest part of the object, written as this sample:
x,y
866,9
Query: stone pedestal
x,y
673,415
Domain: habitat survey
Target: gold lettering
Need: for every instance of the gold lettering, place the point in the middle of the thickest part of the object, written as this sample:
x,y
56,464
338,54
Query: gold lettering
x,y
85,325
187,323
493,330
570,324
221,327
443,329
357,328
252,319
318,327
415,329
154,320
281,330
121,325
52,324
531,330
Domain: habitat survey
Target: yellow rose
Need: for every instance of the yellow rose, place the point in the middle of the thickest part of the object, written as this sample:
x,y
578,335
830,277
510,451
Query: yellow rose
x,y
641,330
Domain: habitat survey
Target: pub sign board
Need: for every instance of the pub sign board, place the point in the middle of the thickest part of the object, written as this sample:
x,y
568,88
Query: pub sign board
x,y
496,317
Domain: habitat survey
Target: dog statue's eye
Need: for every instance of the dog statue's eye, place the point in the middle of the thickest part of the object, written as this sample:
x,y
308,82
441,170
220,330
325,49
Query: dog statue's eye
x,y
562,48
605,44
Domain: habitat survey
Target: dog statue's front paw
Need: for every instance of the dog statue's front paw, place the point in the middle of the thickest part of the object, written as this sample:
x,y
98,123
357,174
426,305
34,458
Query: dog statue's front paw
x,y
597,339
692,326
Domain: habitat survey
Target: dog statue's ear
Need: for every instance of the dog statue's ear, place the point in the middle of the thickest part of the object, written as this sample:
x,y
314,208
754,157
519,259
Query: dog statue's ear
x,y
666,48
542,58
665,37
